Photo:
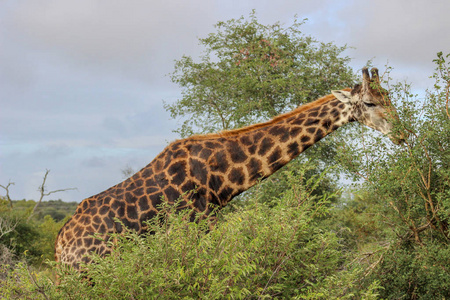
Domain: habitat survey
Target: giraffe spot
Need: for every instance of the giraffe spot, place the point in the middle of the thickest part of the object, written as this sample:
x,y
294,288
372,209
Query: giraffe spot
x,y
151,190
147,216
103,210
130,198
178,172
335,127
295,131
274,159
205,153
312,121
97,220
236,153
257,136
180,154
79,242
319,135
212,199
143,203
313,113
252,148
327,124
245,140
195,149
212,145
341,106
157,199
85,220
225,194
158,165
85,205
168,158
102,228
139,182
97,242
171,194
311,130
220,163
215,182
237,176
121,212
88,242
147,172
138,192
281,132
161,180
304,139
198,170
265,146
131,225
334,112
119,192
188,187
254,169
116,205
306,146
119,227
293,149
79,210
323,114
298,122
176,145
107,200
108,220
132,212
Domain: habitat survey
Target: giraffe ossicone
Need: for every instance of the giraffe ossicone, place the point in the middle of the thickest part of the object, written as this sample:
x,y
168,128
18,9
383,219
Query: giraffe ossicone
x,y
209,170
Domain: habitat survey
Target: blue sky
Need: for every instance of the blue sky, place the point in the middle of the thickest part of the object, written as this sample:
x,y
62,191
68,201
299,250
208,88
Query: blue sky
x,y
82,83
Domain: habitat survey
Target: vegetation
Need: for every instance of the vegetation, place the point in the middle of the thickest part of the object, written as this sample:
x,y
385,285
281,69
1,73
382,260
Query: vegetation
x,y
298,236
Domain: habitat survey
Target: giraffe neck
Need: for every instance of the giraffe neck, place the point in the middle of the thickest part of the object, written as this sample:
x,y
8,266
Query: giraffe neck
x,y
266,147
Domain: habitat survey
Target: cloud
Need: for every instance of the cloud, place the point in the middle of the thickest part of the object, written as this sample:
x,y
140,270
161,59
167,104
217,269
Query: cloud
x,y
119,37
82,82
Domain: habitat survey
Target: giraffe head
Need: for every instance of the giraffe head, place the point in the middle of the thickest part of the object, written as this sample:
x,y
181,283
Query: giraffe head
x,y
370,105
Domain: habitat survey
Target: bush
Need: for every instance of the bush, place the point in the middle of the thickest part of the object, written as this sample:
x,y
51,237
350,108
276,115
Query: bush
x,y
402,211
256,251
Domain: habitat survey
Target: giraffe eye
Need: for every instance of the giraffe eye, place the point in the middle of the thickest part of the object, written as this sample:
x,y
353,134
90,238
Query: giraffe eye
x,y
369,104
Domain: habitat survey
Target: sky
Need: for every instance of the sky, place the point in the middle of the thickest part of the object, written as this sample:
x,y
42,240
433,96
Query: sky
x,y
83,83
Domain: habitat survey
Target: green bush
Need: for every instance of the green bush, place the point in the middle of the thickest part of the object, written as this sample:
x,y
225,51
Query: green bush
x,y
401,213
254,252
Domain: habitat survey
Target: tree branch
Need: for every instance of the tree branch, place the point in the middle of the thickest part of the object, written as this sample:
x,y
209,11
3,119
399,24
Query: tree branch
x,y
41,189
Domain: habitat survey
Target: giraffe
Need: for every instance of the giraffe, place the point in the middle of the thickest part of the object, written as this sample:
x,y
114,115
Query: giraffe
x,y
209,170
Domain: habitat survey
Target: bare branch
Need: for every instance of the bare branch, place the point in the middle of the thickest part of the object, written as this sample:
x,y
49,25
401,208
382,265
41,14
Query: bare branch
x,y
41,189
7,192
7,226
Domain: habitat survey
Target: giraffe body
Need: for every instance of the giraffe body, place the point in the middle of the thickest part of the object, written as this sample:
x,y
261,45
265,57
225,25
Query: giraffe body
x,y
209,170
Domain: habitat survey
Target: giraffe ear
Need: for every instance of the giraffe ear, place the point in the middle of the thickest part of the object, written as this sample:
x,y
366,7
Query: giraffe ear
x,y
343,96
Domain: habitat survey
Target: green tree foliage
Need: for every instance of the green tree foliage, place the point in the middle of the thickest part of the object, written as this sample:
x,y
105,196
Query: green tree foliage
x,y
251,72
406,196
33,239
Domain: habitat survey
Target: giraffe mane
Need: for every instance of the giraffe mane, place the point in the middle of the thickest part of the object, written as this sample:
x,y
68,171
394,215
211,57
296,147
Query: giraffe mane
x,y
233,132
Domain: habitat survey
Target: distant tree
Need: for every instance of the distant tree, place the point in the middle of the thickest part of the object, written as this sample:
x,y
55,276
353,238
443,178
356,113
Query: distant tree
x,y
6,188
251,72
42,190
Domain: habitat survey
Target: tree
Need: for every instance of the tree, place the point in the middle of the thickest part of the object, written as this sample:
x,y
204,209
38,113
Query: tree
x,y
44,193
251,72
403,208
